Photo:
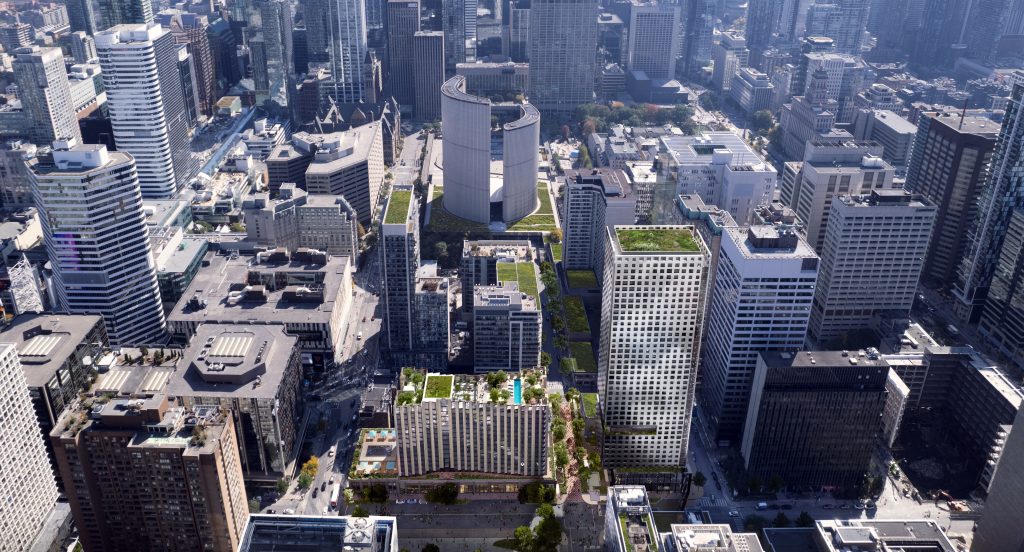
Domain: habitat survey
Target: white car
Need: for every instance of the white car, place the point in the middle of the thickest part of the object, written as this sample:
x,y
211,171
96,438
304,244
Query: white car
x,y
734,513
289,512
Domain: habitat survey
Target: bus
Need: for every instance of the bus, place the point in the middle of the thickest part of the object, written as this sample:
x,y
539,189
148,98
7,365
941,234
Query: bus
x,y
335,489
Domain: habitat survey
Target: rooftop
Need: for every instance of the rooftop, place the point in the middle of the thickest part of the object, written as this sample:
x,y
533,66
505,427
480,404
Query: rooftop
x,y
337,150
918,535
864,357
967,125
770,241
895,122
268,533
238,360
523,273
398,207
713,538
45,341
701,149
657,239
501,249
636,525
418,386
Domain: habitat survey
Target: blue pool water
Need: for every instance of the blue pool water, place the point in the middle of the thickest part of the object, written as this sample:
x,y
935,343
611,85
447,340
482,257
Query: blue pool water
x,y
517,391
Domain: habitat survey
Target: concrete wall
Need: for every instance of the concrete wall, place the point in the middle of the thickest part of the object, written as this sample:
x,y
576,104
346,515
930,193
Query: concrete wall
x,y
466,122
520,165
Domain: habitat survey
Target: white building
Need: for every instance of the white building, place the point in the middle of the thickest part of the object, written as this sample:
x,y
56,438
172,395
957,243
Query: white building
x,y
730,55
752,90
655,284
26,478
722,169
628,522
763,289
146,104
97,240
871,261
262,138
45,92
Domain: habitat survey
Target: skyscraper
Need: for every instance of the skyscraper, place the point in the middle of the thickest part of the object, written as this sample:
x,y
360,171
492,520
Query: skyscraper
x,y
97,240
400,258
762,21
999,529
428,73
699,34
594,199
1002,321
346,29
844,21
1003,191
147,106
403,24
947,166
191,30
730,55
124,12
764,286
871,261
150,474
563,39
654,38
647,357
26,479
458,22
45,92
83,17
268,35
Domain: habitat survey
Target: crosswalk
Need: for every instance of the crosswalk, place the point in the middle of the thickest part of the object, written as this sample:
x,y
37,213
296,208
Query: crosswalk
x,y
710,502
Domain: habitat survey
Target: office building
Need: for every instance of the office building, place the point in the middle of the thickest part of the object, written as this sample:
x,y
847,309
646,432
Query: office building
x,y
563,39
57,354
480,259
262,138
752,90
503,80
428,74
1003,191
270,533
845,75
16,35
721,168
507,320
814,418
844,21
121,283
947,167
403,24
648,353
467,121
628,521
458,23
455,423
296,219
871,260
45,92
399,259
701,537
831,169
15,179
1002,321
152,474
82,47
27,483
730,56
839,535
268,37
123,12
252,370
595,199
157,137
763,289
655,34
894,133
809,118
308,291
879,96
191,30
999,527
519,30
348,164
710,222
699,21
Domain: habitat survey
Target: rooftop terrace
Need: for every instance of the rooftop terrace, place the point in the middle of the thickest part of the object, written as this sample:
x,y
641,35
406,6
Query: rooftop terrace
x,y
524,274
657,239
398,207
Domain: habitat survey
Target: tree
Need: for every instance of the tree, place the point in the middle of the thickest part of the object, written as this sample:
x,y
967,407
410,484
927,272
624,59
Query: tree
x,y
781,520
804,520
305,480
359,511
282,485
545,359
565,132
254,505
556,401
431,547
584,160
523,538
495,379
360,230
589,127
699,479
545,511
775,483
754,523
311,467
556,235
443,494
441,251
561,455
762,121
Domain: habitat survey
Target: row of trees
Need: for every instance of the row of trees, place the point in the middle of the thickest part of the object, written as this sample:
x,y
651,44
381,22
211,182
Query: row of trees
x,y
595,117
545,537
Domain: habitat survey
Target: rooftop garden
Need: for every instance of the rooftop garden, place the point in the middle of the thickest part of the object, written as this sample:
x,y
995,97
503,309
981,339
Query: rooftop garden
x,y
584,356
438,387
524,274
661,240
576,315
398,207
443,221
556,251
589,404
414,379
581,279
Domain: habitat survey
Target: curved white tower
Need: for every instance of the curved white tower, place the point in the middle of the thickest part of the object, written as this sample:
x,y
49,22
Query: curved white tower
x,y
519,165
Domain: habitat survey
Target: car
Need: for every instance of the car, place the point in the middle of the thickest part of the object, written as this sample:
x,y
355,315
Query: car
x,y
323,486
289,512
331,482
844,506
787,506
872,505
316,492
364,319
828,507
859,506
734,513
399,501
271,511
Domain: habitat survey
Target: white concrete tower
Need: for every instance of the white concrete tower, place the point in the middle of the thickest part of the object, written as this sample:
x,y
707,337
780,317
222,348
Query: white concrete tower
x,y
46,93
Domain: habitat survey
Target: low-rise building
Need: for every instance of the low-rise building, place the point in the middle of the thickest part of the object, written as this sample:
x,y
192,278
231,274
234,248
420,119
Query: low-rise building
x,y
295,219
270,533
703,537
262,138
841,535
218,199
628,522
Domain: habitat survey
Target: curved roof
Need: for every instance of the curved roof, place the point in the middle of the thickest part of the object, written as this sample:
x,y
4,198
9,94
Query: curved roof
x,y
530,117
455,88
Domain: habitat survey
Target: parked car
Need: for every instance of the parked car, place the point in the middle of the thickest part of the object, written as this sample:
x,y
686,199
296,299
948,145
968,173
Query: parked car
x,y
734,513
316,492
323,486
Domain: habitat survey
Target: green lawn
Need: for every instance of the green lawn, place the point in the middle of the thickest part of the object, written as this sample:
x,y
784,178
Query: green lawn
x,y
556,251
657,240
443,221
398,207
581,279
589,404
524,273
584,355
576,315
543,220
438,387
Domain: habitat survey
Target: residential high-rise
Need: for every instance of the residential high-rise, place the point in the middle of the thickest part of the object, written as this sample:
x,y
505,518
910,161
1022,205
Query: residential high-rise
x,y
814,417
400,258
428,73
82,47
403,24
1002,321
101,262
648,352
507,320
999,528
595,199
1003,191
15,182
655,33
150,474
46,93
480,260
124,12
563,39
146,105
191,30
871,260
82,17
761,301
730,56
16,35
27,480
458,22
947,166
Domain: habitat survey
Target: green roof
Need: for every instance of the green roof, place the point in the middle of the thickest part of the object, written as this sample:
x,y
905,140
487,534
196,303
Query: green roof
x,y
524,274
661,240
438,387
398,207
584,355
